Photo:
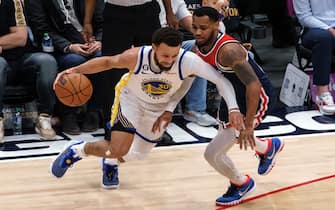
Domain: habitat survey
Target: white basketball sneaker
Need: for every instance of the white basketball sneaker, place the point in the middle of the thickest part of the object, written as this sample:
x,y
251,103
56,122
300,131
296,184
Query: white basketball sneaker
x,y
325,103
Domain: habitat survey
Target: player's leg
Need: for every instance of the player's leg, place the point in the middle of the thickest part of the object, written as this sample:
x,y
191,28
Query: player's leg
x,y
144,141
216,155
139,149
266,148
76,150
122,134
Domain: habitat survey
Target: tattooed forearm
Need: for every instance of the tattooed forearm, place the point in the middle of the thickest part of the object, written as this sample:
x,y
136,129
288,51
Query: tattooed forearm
x,y
234,56
245,73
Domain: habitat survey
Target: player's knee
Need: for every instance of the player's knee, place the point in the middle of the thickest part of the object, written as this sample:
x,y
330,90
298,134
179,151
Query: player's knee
x,y
209,155
120,152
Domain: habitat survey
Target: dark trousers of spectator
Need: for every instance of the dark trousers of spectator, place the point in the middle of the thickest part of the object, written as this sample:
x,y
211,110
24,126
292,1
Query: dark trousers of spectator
x,y
124,27
66,61
39,67
283,28
322,44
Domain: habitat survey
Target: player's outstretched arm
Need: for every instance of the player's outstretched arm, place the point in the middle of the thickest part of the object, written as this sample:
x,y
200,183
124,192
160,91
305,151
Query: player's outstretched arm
x,y
127,59
197,67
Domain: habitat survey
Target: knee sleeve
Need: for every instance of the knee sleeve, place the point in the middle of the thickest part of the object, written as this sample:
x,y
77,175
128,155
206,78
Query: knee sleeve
x,y
220,144
139,149
216,154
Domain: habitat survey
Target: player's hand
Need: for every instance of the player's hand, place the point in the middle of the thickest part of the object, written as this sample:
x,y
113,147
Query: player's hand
x,y
60,75
246,138
87,32
0,50
162,122
236,120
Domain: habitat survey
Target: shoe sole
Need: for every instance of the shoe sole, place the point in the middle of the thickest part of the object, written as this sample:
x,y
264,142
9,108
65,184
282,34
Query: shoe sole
x,y
324,112
233,203
274,159
42,137
53,160
109,187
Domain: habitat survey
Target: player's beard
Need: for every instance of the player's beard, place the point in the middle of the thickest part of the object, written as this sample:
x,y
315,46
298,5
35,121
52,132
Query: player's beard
x,y
161,67
207,42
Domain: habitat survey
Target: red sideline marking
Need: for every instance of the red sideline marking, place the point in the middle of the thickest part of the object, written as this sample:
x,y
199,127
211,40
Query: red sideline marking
x,y
278,190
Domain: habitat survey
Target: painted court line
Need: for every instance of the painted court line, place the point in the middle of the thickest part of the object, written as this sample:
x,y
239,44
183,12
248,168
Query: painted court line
x,y
278,190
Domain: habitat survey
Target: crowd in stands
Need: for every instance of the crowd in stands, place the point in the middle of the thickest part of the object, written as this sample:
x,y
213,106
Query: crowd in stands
x,y
118,25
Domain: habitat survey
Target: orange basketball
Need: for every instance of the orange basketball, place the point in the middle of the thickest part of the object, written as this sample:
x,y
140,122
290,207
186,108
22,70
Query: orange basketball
x,y
74,89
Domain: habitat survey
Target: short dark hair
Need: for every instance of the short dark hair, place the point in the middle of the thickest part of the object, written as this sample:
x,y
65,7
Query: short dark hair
x,y
167,35
212,13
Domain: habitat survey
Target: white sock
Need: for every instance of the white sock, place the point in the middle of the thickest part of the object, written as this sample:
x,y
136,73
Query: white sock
x,y
111,161
79,149
262,145
239,180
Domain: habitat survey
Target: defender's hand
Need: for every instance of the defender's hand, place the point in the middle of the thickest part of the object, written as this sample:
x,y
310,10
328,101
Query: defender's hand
x,y
246,138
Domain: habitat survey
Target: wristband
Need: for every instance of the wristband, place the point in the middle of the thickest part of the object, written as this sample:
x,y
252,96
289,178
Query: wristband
x,y
234,110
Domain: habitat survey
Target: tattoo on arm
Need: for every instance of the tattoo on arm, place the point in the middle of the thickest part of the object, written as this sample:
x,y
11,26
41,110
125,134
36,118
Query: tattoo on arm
x,y
234,56
245,73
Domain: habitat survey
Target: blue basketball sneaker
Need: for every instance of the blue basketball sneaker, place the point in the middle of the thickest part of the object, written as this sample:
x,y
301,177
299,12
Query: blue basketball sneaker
x,y
64,160
268,160
110,176
235,194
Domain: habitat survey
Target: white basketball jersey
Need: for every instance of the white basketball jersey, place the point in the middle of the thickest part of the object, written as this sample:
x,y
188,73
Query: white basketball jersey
x,y
152,87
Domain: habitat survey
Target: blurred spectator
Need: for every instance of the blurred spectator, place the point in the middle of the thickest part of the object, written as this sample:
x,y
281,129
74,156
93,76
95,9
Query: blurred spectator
x,y
16,57
63,21
180,11
318,21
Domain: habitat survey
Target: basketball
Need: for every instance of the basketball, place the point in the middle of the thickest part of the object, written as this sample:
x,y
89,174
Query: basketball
x,y
74,89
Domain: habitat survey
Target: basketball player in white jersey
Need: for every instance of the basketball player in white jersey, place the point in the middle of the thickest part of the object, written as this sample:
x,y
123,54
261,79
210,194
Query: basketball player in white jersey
x,y
159,76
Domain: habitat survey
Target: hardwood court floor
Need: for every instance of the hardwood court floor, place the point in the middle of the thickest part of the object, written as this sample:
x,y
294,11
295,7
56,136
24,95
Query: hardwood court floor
x,y
175,178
